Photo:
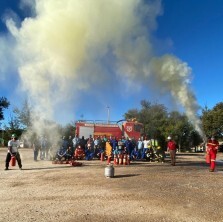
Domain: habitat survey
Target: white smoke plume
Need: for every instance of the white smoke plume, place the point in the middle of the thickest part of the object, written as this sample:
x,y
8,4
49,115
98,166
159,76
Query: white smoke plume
x,y
71,47
174,76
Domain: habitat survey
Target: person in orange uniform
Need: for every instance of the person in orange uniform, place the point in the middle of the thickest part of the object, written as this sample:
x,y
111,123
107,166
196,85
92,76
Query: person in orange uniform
x,y
212,149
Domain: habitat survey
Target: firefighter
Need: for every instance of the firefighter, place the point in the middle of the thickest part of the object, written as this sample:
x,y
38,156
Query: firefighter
x,y
79,153
212,148
13,146
171,148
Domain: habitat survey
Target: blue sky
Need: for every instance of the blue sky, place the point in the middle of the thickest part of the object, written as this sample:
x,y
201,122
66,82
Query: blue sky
x,y
191,30
195,28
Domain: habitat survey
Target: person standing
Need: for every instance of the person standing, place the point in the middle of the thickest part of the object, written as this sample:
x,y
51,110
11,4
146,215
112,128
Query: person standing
x,y
171,148
146,144
43,145
114,143
140,147
36,147
75,141
129,147
212,149
70,143
13,146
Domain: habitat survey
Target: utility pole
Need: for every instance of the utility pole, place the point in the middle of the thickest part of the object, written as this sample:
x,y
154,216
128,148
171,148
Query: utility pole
x,y
108,113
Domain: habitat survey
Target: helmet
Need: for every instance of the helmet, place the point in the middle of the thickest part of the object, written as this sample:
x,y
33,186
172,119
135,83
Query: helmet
x,y
169,138
13,135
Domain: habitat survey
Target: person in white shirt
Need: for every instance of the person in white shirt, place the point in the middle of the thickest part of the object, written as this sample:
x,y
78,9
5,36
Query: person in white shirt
x,y
75,141
140,147
146,143
13,146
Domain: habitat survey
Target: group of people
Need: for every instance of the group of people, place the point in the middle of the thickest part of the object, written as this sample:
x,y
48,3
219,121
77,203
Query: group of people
x,y
94,147
141,149
41,147
211,151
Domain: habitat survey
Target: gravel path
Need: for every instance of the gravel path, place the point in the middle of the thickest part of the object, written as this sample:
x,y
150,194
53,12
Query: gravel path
x,y
142,191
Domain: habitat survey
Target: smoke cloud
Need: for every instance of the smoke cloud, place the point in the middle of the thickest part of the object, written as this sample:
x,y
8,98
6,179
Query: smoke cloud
x,y
68,48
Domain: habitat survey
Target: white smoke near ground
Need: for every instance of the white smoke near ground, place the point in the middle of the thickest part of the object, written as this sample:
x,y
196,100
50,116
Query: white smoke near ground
x,y
71,47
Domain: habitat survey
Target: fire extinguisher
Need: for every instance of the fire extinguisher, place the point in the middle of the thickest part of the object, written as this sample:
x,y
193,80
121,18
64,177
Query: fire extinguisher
x,y
13,161
124,160
120,159
102,156
115,159
128,160
109,160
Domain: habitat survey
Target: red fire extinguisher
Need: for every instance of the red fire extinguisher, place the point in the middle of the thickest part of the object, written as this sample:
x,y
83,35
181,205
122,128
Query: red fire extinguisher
x,y
115,159
109,160
102,157
120,160
13,161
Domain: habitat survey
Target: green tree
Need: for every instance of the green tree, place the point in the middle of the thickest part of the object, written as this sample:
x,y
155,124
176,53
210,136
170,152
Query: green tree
x,y
69,130
132,113
4,104
23,115
159,124
179,128
153,117
12,127
212,120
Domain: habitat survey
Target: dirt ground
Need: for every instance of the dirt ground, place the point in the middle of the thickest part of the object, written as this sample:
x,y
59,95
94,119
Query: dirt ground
x,y
141,191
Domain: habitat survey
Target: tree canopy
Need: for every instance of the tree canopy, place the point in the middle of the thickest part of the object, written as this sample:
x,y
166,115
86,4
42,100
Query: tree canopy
x,y
212,120
159,124
23,115
4,104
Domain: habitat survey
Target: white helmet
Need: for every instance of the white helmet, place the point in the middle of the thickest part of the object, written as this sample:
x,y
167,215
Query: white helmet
x,y
169,138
